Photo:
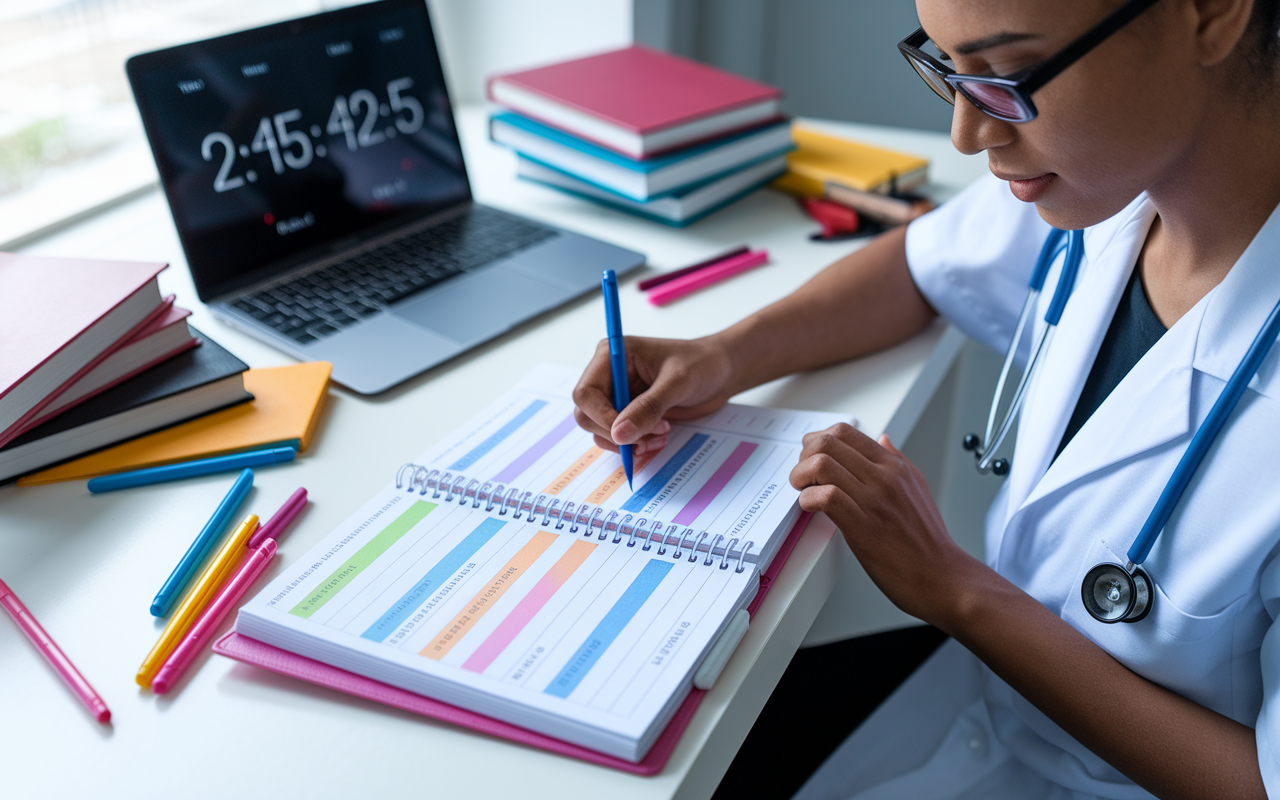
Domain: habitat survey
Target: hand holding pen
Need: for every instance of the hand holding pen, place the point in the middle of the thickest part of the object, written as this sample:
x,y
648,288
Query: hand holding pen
x,y
671,379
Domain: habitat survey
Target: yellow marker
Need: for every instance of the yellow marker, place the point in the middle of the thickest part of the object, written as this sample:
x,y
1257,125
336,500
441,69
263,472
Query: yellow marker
x,y
221,566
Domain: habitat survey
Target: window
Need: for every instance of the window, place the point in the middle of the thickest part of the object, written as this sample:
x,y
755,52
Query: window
x,y
70,137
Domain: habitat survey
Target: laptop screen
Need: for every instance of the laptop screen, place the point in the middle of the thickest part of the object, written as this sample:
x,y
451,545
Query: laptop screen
x,y
278,144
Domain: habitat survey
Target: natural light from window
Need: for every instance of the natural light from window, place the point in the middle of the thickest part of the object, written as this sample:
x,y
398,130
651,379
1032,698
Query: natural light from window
x,y
70,137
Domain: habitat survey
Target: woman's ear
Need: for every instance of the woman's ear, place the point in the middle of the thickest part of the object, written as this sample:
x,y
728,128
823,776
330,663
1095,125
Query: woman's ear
x,y
1219,26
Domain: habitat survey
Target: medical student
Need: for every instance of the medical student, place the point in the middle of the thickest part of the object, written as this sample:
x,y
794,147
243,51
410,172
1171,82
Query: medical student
x,y
1153,136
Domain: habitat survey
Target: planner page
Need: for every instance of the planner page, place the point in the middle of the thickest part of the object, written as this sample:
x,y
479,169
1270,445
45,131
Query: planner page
x,y
588,631
726,474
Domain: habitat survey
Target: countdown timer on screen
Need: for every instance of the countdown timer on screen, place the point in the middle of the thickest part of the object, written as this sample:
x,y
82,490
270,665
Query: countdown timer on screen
x,y
281,147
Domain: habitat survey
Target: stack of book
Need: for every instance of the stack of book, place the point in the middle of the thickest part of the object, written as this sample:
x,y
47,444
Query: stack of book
x,y
92,354
643,131
876,182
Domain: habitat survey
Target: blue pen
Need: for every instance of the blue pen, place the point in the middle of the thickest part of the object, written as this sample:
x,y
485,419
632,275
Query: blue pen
x,y
200,548
190,469
617,356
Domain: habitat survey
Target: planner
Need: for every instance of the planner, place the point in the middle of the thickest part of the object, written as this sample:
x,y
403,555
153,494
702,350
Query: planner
x,y
510,571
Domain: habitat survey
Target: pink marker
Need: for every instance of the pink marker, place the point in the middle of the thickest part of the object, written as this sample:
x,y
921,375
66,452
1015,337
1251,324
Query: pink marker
x,y
53,654
280,520
674,290
207,625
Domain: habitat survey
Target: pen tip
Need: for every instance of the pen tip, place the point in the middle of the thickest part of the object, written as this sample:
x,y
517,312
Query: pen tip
x,y
104,716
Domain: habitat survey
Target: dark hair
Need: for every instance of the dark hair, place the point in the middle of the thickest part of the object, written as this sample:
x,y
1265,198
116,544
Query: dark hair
x,y
1264,26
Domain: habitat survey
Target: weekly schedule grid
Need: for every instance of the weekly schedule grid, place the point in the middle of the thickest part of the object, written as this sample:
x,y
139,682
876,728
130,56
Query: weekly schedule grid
x,y
581,631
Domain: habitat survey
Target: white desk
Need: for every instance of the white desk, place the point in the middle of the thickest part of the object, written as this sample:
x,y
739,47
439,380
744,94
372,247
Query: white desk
x,y
89,566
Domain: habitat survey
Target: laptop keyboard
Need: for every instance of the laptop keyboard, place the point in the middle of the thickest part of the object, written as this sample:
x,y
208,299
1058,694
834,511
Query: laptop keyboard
x,y
323,302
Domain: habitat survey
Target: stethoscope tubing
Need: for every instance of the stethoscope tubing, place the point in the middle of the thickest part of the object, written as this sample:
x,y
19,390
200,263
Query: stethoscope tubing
x,y
1053,245
1010,355
1204,437
1043,337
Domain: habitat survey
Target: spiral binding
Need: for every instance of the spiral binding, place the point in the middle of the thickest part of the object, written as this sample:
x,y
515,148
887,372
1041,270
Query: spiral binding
x,y
448,487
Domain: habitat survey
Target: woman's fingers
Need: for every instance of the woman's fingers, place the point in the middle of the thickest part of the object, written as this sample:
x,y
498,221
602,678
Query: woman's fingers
x,y
644,414
830,471
668,378
840,436
649,444
592,397
834,503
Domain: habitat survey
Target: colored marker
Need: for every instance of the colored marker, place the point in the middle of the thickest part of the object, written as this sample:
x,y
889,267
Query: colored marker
x,y
222,566
207,625
190,469
703,278
200,548
657,280
617,356
53,654
280,520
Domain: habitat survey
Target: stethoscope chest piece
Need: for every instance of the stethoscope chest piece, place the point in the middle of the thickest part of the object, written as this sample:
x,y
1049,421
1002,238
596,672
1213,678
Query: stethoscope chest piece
x,y
1112,593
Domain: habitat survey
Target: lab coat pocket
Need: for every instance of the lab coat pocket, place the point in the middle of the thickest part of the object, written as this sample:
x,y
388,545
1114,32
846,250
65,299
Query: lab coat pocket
x,y
1184,652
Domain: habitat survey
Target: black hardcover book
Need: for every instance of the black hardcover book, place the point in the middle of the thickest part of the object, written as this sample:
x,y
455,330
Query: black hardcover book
x,y
191,384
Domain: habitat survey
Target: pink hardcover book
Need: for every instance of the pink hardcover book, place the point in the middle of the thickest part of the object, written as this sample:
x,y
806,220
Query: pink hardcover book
x,y
637,101
160,338
60,318
250,651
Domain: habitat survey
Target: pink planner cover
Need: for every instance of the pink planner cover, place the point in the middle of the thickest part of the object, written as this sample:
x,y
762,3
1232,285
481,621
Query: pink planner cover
x,y
251,651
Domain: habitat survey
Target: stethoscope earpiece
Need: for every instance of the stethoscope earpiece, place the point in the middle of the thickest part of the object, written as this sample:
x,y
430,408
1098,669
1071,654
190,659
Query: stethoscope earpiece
x,y
1112,593
973,443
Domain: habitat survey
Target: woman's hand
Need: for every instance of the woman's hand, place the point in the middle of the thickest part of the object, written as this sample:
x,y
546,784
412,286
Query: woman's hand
x,y
882,506
668,379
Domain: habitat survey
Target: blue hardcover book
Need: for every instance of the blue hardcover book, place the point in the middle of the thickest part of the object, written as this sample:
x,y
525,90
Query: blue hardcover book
x,y
688,205
639,179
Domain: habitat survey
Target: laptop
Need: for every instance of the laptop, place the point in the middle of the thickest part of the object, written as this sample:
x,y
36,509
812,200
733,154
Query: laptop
x,y
316,180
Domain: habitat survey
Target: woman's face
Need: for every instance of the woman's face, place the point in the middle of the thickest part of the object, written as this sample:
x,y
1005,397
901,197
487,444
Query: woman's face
x,y
1112,125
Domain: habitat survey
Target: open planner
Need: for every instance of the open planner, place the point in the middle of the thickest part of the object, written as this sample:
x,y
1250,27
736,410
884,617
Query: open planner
x,y
510,571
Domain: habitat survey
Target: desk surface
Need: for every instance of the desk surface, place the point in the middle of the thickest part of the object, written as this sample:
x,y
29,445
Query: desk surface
x,y
89,566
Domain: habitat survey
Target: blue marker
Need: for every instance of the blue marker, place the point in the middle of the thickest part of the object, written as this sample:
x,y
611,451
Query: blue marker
x,y
617,356
190,469
200,548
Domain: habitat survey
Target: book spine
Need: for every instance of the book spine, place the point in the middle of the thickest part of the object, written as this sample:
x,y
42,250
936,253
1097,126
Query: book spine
x,y
589,519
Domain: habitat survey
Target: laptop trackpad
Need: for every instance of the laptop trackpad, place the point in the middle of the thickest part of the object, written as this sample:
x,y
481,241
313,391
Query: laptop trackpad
x,y
481,305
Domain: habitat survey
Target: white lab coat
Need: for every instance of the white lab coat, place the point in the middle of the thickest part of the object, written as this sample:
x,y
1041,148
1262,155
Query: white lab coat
x,y
956,730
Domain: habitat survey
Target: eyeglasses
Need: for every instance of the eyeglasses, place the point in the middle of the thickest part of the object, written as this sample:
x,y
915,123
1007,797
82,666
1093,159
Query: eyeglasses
x,y
1009,99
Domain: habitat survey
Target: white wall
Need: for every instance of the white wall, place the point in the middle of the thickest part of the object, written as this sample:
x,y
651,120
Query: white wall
x,y
478,38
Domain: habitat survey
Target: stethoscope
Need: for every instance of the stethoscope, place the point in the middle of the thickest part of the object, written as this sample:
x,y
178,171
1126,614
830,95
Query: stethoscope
x,y
1053,246
1110,592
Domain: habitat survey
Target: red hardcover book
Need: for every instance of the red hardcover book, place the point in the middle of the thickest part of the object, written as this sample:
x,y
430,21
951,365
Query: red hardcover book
x,y
59,318
637,101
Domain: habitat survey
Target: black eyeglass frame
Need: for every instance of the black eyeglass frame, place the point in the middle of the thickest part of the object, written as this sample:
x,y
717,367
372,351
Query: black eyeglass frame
x,y
1022,84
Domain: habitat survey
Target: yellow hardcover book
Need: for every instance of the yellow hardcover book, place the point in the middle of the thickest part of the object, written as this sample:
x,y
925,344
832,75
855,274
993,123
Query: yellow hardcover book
x,y
820,158
285,408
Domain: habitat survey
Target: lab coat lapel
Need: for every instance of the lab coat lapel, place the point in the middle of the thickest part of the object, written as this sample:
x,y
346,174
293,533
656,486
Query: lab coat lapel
x,y
1153,404
1111,250
1237,308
